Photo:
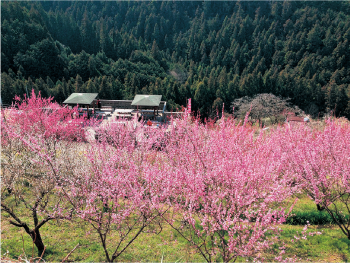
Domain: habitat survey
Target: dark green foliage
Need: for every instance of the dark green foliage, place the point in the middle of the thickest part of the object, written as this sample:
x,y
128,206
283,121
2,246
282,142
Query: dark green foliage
x,y
42,59
225,50
313,217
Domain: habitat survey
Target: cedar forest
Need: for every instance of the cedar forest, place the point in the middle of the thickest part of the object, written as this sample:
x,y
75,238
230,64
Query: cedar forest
x,y
212,52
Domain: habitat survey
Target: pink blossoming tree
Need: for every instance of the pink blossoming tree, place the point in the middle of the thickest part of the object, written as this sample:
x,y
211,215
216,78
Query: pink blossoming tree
x,y
319,162
225,185
31,137
116,191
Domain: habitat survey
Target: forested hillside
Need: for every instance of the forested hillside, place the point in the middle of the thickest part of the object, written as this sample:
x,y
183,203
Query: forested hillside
x,y
212,52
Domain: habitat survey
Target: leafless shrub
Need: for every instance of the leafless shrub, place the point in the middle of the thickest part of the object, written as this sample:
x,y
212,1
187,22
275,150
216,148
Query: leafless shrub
x,y
265,105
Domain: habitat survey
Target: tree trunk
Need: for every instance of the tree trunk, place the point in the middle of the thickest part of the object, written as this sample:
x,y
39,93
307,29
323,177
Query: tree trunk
x,y
319,208
36,237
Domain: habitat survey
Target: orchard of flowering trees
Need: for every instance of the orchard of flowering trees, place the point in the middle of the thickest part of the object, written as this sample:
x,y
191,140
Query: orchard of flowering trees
x,y
220,186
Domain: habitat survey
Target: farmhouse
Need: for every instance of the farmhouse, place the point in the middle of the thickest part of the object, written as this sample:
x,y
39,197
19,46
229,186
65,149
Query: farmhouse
x,y
145,107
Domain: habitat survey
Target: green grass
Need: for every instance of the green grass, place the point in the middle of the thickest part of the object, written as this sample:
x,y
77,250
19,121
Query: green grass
x,y
167,246
332,245
61,239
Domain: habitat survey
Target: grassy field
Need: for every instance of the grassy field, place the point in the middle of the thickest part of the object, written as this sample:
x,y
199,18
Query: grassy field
x,y
61,237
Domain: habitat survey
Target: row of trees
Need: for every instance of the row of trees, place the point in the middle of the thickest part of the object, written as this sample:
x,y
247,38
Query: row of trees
x,y
215,52
108,87
221,187
124,85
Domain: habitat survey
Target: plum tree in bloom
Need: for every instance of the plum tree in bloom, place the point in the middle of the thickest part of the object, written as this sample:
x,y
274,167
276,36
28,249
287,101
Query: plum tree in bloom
x,y
319,160
225,185
117,190
30,137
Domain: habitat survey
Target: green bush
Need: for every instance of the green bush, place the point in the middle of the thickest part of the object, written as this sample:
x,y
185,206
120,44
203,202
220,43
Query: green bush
x,y
314,218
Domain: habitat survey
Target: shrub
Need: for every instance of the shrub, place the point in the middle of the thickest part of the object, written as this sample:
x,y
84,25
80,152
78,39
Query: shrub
x,y
311,217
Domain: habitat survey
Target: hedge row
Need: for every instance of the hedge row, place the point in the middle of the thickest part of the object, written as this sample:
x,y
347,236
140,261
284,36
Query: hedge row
x,y
314,218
